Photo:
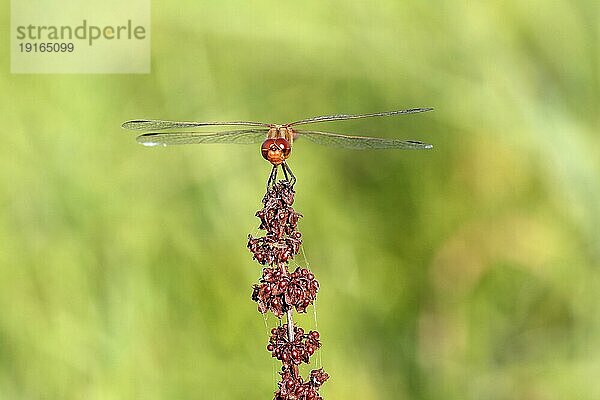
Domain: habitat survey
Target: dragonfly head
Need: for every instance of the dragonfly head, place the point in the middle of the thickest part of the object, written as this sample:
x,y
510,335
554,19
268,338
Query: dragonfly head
x,y
276,150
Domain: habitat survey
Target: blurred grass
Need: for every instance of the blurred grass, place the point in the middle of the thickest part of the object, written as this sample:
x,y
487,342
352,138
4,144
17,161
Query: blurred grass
x,y
466,272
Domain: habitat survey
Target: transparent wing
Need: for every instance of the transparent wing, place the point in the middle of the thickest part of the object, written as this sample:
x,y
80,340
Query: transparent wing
x,y
155,124
340,117
240,136
360,142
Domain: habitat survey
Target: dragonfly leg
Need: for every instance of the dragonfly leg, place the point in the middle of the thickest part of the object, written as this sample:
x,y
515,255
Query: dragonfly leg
x,y
287,178
287,170
272,177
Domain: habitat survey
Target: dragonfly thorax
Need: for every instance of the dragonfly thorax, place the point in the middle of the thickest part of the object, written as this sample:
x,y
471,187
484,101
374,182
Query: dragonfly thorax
x,y
282,131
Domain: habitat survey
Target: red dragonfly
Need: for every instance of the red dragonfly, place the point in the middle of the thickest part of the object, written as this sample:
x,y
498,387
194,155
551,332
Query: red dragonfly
x,y
277,139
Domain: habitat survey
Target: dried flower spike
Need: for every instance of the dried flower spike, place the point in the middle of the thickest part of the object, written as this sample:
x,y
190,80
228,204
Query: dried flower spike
x,y
281,291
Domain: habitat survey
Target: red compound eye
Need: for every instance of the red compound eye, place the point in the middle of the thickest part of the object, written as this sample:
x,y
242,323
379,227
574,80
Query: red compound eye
x,y
276,150
285,147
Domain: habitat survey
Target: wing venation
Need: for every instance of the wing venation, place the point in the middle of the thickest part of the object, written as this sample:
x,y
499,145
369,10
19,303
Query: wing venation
x,y
360,142
240,136
341,117
156,124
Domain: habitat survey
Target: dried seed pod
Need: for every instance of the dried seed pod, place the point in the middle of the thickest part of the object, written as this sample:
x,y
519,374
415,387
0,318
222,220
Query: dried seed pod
x,y
293,387
293,352
277,293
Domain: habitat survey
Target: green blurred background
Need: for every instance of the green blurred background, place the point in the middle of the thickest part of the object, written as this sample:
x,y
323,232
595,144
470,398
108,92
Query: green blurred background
x,y
466,272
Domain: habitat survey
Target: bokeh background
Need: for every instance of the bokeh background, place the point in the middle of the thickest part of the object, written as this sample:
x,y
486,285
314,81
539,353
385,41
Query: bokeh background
x,y
466,272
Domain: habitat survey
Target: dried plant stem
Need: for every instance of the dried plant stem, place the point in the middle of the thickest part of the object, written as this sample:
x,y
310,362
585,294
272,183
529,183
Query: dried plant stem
x,y
290,320
290,324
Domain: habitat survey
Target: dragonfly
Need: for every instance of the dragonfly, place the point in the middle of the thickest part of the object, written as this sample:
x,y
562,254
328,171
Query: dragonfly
x,y
277,139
